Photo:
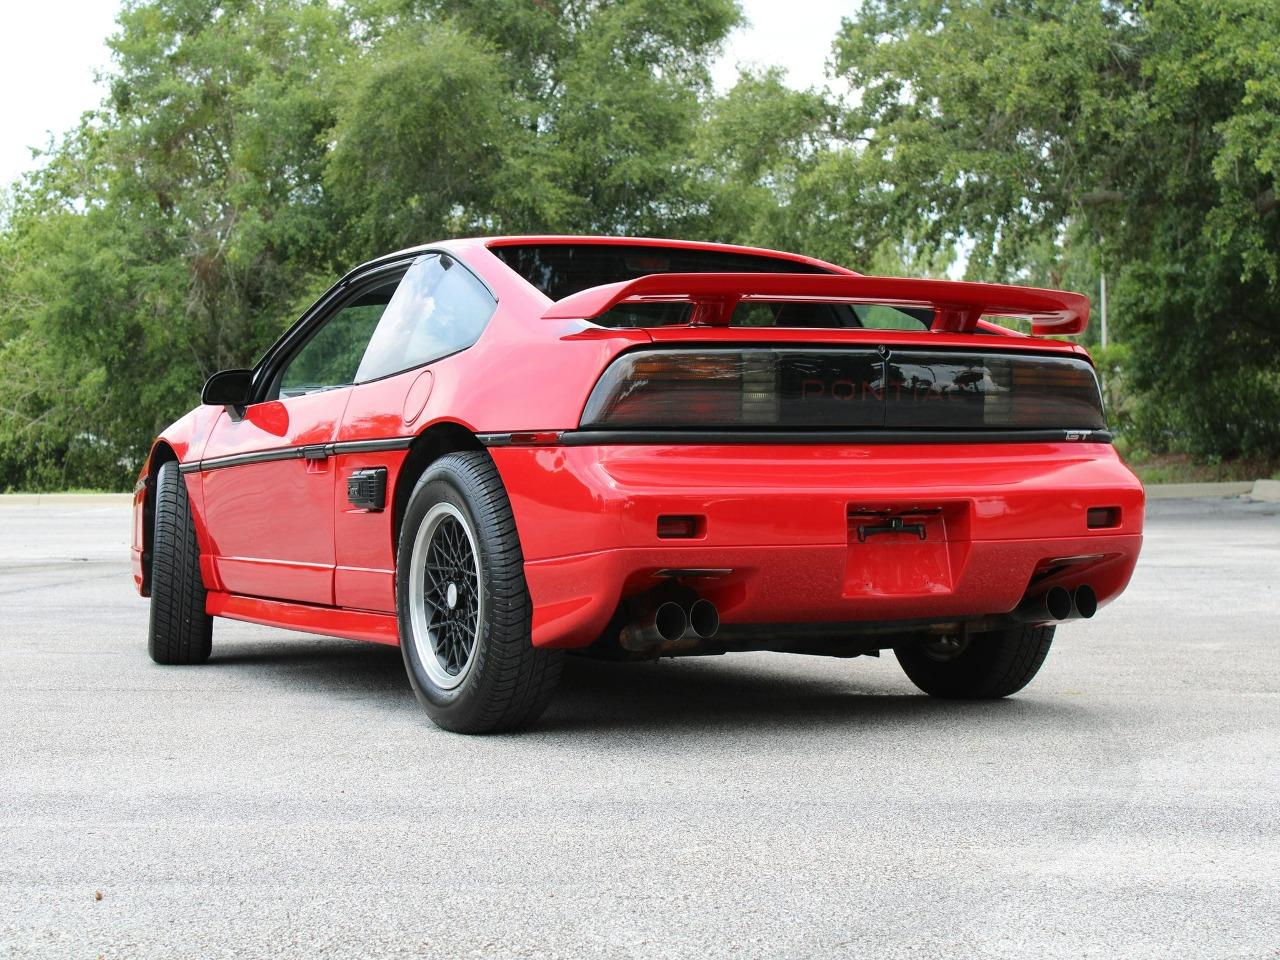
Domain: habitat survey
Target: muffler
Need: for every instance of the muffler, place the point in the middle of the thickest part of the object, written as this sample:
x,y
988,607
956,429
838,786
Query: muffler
x,y
655,625
1048,607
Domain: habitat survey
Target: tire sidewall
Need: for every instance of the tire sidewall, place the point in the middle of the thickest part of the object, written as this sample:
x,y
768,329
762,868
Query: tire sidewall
x,y
442,483
994,665
179,631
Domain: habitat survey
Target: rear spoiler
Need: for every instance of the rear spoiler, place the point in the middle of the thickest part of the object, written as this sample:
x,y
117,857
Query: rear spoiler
x,y
957,305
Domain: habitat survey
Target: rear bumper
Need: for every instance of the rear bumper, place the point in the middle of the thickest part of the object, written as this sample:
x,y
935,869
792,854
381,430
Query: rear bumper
x,y
783,520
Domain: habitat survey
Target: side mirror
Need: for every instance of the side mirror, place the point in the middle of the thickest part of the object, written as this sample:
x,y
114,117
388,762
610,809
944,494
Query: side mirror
x,y
229,388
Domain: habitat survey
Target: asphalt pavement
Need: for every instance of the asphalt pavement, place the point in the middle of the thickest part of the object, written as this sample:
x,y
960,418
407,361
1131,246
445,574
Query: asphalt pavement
x,y
289,798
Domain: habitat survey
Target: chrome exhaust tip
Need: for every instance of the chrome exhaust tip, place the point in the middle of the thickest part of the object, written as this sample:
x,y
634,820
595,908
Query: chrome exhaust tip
x,y
670,621
704,619
1085,602
1052,605
652,627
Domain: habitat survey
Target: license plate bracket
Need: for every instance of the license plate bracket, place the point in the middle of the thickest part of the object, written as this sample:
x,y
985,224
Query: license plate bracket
x,y
904,549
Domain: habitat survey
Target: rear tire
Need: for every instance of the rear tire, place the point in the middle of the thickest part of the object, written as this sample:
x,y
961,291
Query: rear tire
x,y
180,631
984,666
463,605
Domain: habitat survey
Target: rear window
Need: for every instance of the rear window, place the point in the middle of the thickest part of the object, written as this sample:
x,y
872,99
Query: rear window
x,y
806,313
562,269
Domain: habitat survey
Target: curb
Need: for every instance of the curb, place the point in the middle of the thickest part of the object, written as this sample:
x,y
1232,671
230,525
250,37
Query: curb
x,y
1268,491
1185,491
1265,491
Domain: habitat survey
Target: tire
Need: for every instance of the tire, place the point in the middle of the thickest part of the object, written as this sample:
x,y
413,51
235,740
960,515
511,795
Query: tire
x,y
180,631
463,605
987,667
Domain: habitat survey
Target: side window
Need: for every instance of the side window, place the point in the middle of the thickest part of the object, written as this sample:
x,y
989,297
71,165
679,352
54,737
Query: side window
x,y
438,309
332,355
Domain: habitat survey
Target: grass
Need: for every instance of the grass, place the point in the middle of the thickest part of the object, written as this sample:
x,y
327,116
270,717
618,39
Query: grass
x,y
1182,468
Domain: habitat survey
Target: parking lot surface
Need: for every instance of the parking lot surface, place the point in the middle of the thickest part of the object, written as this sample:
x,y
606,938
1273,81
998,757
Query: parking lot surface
x,y
290,799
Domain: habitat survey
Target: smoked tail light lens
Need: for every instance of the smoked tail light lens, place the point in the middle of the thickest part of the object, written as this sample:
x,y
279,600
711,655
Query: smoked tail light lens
x,y
844,388
755,387
679,388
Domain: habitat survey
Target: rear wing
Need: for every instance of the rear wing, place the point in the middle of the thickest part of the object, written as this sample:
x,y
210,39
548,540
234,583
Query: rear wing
x,y
957,305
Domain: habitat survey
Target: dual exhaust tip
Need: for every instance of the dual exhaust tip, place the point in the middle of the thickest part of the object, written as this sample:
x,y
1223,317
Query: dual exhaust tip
x,y
1057,604
674,622
669,622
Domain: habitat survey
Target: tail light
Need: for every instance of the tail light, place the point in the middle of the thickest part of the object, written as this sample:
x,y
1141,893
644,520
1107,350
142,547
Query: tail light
x,y
817,389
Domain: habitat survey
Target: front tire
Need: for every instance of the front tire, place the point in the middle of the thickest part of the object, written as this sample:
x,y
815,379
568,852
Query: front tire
x,y
983,666
180,631
463,605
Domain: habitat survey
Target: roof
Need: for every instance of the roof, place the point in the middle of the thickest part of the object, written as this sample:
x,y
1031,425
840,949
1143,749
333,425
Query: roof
x,y
461,244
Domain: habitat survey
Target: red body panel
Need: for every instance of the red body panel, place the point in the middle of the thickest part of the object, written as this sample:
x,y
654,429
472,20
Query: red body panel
x,y
269,526
282,545
183,441
780,518
351,624
365,575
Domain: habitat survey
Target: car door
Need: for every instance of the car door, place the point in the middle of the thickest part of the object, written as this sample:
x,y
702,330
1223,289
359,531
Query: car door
x,y
267,471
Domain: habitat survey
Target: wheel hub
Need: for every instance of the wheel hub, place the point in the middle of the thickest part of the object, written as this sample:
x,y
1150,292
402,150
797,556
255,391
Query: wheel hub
x,y
446,605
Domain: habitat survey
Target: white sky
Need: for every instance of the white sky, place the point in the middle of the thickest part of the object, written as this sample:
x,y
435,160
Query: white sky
x,y
794,34
49,51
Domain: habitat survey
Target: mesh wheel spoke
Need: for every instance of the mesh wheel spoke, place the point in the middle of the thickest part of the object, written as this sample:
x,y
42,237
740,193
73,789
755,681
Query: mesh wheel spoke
x,y
450,610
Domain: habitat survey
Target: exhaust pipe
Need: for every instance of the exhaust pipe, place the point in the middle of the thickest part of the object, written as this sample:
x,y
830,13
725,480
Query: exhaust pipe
x,y
654,626
1084,602
1052,605
704,619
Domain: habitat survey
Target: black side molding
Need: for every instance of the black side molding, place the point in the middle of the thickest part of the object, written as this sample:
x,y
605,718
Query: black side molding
x,y
311,451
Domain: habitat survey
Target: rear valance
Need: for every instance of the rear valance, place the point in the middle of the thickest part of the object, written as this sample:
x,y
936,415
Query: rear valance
x,y
957,305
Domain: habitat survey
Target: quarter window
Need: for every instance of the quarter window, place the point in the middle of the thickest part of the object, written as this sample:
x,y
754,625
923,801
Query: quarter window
x,y
438,309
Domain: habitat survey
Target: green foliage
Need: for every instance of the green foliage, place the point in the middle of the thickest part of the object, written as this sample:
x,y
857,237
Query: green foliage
x,y
420,133
246,152
1136,137
761,141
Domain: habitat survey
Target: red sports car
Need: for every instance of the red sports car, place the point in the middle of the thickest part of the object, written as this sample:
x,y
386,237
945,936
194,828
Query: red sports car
x,y
491,451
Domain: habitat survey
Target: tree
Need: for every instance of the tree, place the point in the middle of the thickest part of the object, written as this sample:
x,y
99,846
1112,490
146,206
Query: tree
x,y
1143,136
609,97
249,150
